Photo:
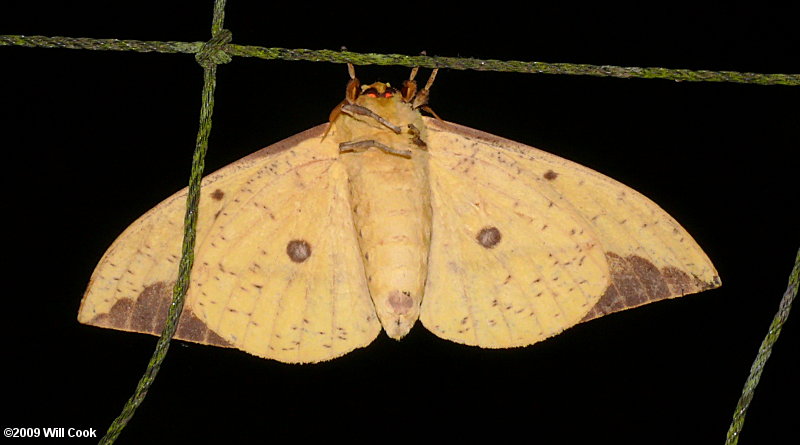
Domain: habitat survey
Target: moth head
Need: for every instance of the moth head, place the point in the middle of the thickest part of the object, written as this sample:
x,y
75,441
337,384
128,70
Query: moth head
x,y
384,100
378,90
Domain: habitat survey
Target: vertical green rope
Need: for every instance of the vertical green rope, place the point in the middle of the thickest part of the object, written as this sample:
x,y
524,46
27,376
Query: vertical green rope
x,y
763,354
211,55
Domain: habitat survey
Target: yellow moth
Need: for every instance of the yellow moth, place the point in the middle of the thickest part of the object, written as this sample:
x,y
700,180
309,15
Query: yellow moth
x,y
307,248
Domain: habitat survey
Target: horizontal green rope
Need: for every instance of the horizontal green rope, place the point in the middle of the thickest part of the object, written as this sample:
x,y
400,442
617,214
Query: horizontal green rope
x,y
678,75
101,44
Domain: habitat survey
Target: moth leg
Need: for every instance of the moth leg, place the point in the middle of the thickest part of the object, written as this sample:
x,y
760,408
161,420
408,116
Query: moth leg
x,y
353,109
351,93
433,113
419,98
355,145
353,85
422,96
415,139
409,89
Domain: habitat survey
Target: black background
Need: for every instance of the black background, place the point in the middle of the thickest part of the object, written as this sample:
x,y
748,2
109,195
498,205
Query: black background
x,y
91,140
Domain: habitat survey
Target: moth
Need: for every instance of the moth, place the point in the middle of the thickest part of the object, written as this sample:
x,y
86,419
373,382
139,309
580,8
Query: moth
x,y
308,248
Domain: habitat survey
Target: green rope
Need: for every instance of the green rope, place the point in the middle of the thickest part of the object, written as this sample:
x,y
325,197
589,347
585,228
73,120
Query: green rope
x,y
100,44
763,354
678,75
210,55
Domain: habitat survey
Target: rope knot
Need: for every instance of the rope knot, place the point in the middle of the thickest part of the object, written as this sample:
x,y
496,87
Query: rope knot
x,y
213,52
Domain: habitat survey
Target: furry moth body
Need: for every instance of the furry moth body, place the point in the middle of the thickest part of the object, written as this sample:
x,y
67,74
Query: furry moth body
x,y
307,248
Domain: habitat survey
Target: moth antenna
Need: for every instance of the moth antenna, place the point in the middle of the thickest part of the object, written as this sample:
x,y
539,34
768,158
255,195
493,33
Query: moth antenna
x,y
351,146
352,110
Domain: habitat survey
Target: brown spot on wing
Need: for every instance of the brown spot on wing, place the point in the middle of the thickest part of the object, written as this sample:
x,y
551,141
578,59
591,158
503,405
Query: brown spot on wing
x,y
298,250
550,175
401,302
193,329
218,195
678,280
636,281
489,237
118,317
148,314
